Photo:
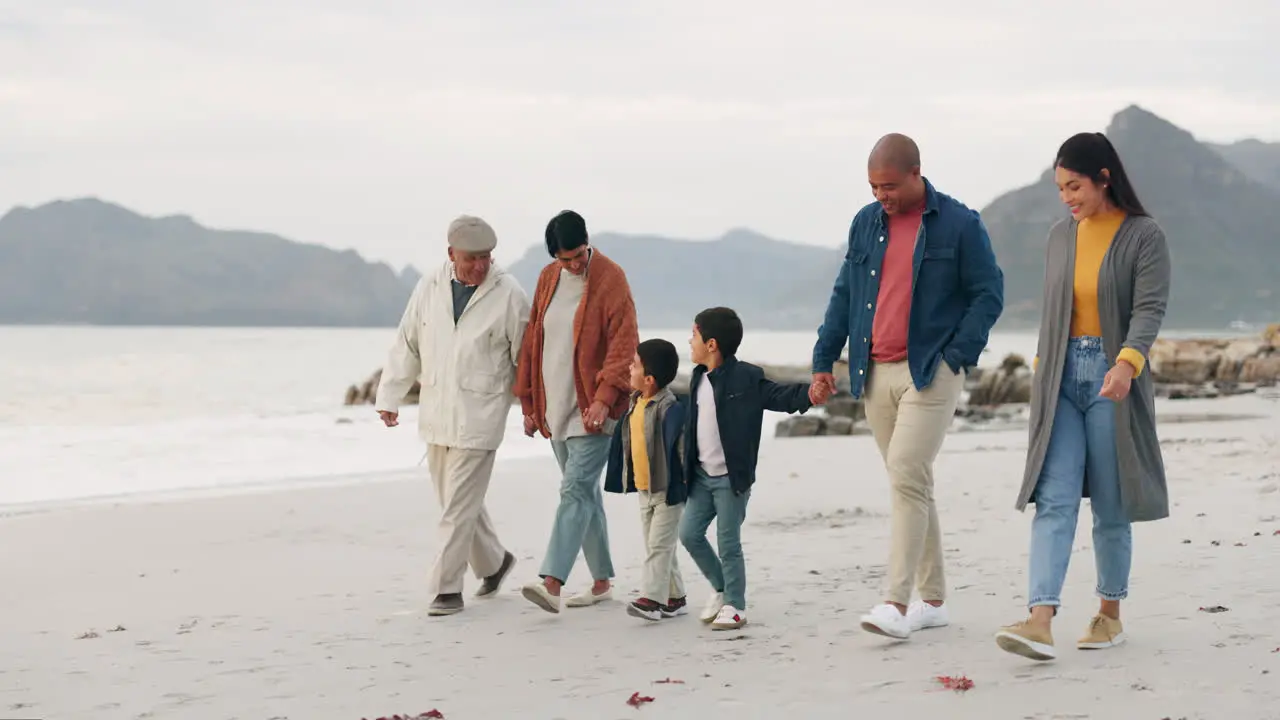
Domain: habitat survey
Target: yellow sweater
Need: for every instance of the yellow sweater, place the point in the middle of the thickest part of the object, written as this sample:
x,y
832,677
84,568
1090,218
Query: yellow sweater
x,y
639,448
1093,239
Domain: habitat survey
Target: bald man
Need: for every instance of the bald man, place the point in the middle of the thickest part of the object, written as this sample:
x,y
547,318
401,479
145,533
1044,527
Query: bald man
x,y
915,300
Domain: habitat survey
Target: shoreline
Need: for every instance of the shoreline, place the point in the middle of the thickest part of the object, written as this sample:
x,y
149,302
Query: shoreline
x,y
406,443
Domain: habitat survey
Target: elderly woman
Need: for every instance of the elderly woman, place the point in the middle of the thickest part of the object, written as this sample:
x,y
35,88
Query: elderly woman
x,y
573,381
1093,421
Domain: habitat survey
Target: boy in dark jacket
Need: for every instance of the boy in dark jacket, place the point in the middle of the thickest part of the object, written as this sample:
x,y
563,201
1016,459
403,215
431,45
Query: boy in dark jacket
x,y
644,457
727,400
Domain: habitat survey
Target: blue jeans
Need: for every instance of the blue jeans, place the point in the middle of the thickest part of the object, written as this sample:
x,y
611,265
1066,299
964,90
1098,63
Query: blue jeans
x,y
580,522
712,498
1082,448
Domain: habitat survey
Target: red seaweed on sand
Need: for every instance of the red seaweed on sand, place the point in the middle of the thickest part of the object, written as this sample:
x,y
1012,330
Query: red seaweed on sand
x,y
636,700
958,684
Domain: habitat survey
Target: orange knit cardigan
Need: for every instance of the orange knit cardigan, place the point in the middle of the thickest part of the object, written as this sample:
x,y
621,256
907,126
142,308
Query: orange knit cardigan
x,y
605,339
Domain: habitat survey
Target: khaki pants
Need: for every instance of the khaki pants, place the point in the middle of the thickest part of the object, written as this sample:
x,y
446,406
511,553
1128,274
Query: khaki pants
x,y
909,426
461,477
660,524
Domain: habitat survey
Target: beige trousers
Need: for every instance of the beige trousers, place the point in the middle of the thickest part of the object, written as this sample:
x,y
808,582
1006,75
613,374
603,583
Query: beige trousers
x,y
660,524
461,477
909,426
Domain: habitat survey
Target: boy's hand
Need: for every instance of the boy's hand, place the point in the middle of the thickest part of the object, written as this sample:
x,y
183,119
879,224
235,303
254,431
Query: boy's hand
x,y
824,385
529,426
817,394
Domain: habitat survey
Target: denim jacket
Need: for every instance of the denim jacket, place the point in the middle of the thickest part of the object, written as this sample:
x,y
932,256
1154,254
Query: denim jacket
x,y
957,292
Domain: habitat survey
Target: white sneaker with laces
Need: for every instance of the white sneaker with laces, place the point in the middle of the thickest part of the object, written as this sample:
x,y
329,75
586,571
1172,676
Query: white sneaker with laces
x,y
887,621
924,616
712,608
729,618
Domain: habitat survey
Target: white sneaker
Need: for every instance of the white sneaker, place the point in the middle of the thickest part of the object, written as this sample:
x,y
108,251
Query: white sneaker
x,y
675,607
712,608
886,620
923,616
729,618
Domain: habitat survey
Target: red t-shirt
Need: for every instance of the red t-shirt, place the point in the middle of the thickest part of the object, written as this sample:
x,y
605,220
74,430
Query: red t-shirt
x,y
893,302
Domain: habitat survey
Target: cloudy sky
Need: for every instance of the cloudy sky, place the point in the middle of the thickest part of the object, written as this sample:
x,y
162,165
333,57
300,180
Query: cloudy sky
x,y
372,128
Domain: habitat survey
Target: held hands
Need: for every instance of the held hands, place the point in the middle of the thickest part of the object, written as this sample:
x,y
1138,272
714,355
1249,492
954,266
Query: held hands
x,y
389,418
593,419
1115,386
823,387
817,395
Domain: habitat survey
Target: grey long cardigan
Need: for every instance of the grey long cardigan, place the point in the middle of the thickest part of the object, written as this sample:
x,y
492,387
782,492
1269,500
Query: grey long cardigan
x,y
1133,290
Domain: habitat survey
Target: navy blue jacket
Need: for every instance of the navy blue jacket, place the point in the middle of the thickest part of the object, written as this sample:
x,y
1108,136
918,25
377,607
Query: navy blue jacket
x,y
742,394
672,427
957,292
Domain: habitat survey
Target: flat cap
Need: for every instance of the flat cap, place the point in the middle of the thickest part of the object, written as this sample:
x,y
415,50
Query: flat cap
x,y
471,234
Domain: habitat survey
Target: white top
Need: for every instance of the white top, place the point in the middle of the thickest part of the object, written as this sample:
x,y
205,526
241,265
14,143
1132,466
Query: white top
x,y
564,417
710,450
466,367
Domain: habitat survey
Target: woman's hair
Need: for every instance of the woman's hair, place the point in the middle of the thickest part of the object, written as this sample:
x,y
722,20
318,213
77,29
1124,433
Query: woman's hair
x,y
566,231
1089,154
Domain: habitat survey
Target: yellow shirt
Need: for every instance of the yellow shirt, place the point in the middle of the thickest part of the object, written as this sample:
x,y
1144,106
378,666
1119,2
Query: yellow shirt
x,y
1093,239
639,448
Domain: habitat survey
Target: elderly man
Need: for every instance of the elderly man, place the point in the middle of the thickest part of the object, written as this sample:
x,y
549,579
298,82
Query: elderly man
x,y
915,299
460,336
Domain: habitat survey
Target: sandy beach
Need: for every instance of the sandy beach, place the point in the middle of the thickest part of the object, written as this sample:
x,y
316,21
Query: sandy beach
x,y
310,603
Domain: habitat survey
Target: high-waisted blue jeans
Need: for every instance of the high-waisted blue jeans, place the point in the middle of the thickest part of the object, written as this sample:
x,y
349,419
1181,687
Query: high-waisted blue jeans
x,y
1082,444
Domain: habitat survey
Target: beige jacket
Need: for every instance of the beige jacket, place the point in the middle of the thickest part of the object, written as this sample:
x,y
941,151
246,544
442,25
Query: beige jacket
x,y
467,371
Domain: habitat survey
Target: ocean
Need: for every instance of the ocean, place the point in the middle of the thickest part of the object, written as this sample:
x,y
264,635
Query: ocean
x,y
105,412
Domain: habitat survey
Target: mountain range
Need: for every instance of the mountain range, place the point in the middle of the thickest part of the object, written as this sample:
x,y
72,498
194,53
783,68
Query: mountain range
x,y
1258,160
672,280
89,261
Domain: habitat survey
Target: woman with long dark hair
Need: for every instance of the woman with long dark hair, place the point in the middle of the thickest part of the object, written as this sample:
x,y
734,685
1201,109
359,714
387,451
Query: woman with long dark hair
x,y
1093,424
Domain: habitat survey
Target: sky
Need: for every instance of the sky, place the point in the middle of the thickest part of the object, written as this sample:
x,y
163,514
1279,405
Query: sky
x,y
372,127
